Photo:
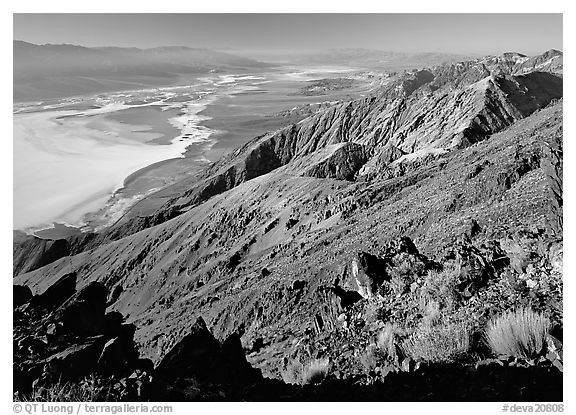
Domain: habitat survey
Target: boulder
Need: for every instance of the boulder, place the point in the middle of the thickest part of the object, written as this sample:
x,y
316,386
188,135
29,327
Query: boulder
x,y
84,312
75,361
194,356
56,294
21,294
368,272
473,269
397,268
118,356
473,228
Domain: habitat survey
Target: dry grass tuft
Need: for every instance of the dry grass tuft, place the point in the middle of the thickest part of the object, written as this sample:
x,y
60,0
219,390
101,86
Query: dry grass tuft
x,y
439,288
521,333
386,341
315,371
86,390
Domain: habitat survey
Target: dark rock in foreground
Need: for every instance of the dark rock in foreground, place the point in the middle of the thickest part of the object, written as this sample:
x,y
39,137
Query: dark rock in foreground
x,y
64,335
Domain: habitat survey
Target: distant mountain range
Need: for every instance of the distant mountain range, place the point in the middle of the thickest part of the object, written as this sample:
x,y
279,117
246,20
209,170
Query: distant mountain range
x,y
54,71
378,59
51,71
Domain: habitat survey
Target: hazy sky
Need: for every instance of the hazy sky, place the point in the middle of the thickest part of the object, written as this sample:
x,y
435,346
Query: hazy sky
x,y
456,33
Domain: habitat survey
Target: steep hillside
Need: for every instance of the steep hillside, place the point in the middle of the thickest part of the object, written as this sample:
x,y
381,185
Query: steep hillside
x,y
262,258
418,115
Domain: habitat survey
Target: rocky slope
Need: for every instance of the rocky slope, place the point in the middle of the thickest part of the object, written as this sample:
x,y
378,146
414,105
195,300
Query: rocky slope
x,y
417,115
67,348
239,256
307,241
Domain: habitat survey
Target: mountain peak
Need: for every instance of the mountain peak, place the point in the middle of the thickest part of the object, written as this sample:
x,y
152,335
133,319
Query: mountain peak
x,y
552,52
513,55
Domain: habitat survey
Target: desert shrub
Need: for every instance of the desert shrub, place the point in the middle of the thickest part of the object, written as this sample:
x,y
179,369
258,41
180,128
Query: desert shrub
x,y
386,341
371,358
442,343
521,333
373,311
383,352
399,284
431,313
404,273
314,371
440,287
293,373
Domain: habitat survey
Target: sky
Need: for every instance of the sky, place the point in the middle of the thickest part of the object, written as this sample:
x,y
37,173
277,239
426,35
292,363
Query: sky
x,y
447,33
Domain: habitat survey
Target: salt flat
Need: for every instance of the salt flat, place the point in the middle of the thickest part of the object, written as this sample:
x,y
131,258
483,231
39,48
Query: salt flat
x,y
64,167
85,161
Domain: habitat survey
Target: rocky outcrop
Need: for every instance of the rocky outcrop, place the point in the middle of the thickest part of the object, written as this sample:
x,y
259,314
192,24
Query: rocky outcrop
x,y
30,253
84,312
198,365
394,270
368,272
62,335
337,161
473,267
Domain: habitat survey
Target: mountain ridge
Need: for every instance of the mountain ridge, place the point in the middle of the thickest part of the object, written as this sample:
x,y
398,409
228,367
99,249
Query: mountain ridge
x,y
461,103
56,71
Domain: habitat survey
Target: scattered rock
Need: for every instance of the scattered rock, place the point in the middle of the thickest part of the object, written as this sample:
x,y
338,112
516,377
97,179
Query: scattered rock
x,y
473,269
75,340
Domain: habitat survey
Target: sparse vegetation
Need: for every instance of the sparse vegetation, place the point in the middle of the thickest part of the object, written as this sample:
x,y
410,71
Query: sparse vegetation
x,y
521,333
314,371
371,358
386,341
442,343
404,273
89,389
384,352
439,288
